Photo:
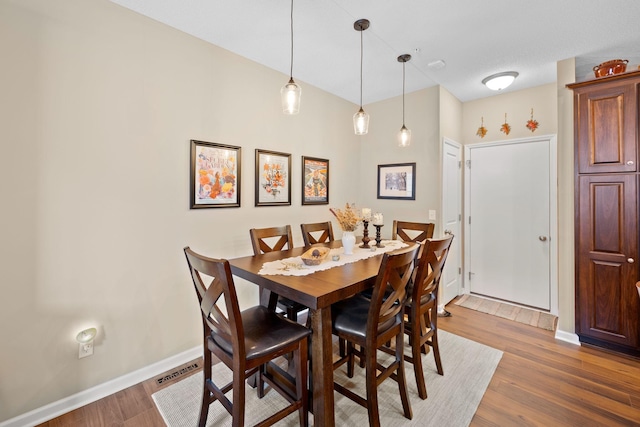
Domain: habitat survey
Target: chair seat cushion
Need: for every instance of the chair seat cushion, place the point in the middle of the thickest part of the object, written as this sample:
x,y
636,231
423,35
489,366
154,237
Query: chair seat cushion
x,y
286,303
349,317
264,332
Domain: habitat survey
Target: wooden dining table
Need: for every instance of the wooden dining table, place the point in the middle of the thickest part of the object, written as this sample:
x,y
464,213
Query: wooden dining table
x,y
317,291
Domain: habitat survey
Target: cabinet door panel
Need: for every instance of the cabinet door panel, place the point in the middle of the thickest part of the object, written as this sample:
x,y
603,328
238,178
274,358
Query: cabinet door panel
x,y
607,306
606,127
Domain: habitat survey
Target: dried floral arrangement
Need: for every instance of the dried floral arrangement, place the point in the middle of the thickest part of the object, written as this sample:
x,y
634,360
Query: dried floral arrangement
x,y
349,218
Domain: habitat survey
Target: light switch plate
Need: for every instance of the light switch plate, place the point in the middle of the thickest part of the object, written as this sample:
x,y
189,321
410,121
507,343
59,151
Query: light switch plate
x,y
432,214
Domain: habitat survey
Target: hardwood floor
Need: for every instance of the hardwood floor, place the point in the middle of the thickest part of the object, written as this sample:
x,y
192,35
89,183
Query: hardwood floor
x,y
539,382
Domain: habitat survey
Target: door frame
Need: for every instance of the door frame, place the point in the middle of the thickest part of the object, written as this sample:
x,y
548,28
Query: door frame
x,y
459,237
553,209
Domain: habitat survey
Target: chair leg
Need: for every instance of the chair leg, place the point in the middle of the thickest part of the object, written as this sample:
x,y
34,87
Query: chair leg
x,y
416,351
237,409
206,398
436,350
260,380
350,359
402,381
292,314
301,382
372,389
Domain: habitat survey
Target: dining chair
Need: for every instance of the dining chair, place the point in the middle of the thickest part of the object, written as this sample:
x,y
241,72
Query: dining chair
x,y
421,308
245,342
370,323
319,232
412,231
270,239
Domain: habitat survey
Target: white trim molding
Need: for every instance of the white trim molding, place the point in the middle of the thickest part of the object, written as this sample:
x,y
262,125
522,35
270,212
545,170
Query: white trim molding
x,y
569,337
62,406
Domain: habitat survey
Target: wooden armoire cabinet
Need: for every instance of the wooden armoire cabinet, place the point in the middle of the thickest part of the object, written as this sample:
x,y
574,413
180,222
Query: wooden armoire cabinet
x,y
606,211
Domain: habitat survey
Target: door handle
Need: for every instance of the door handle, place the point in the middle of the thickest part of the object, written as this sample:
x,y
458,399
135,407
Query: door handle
x,y
542,238
448,232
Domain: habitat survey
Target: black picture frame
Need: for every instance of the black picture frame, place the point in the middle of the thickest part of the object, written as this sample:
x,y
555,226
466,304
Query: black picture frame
x,y
315,181
273,178
215,175
397,181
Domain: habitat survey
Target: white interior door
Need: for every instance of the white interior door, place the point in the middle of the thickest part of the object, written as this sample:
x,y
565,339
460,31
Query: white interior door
x,y
451,280
511,215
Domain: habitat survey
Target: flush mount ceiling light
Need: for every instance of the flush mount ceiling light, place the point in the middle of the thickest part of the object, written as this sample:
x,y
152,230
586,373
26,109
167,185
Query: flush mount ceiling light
x,y
290,93
361,119
500,81
404,136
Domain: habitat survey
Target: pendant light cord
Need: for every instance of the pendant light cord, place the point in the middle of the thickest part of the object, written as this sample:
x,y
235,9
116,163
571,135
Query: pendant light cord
x,y
361,31
291,70
403,64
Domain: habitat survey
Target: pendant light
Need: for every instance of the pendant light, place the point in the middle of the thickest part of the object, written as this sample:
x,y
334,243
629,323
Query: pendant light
x,y
361,119
290,93
404,136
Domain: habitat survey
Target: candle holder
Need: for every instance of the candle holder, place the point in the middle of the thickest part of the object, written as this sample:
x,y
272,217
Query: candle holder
x,y
365,237
378,239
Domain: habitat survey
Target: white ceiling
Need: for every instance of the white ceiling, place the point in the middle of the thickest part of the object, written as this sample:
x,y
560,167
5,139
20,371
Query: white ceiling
x,y
474,38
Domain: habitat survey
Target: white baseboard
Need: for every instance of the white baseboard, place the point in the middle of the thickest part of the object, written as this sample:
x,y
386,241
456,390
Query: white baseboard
x,y
62,406
569,337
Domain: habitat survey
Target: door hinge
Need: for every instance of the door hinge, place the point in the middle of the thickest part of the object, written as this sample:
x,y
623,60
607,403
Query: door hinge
x,y
470,273
459,217
469,219
459,164
468,163
459,270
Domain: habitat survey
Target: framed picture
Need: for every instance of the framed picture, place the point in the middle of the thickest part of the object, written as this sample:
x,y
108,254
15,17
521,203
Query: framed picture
x,y
273,178
215,175
397,181
315,181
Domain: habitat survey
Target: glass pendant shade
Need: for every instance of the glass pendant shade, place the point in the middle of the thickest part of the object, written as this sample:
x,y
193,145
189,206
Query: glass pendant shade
x,y
361,122
290,95
404,137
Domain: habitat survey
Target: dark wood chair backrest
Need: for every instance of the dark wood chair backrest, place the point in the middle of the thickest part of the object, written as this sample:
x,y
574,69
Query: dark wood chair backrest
x,y
390,289
412,231
271,239
430,267
310,233
213,281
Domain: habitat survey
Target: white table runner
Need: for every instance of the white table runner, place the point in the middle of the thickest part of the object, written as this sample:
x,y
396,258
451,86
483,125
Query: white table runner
x,y
295,267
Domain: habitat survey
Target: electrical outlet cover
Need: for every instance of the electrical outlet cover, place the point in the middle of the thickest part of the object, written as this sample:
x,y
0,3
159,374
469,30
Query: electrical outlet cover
x,y
85,350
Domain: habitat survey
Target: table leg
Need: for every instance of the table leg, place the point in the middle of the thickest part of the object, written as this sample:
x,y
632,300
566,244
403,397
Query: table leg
x,y
322,367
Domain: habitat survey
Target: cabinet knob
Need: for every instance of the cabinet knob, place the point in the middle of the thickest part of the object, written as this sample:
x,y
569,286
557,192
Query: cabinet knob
x,y
542,238
630,162
630,260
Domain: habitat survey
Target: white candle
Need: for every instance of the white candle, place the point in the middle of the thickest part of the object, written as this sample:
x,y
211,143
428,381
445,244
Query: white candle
x,y
378,219
366,214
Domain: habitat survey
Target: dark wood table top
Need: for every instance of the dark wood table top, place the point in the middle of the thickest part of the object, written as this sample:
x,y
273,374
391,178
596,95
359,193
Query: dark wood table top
x,y
316,290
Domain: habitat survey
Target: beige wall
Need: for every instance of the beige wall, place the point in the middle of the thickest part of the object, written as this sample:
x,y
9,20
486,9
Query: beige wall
x,y
566,255
97,108
380,146
96,113
518,107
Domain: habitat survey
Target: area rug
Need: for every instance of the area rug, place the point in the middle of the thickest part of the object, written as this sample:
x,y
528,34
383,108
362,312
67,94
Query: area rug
x,y
536,318
452,401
